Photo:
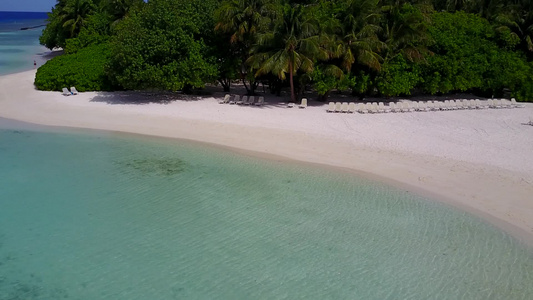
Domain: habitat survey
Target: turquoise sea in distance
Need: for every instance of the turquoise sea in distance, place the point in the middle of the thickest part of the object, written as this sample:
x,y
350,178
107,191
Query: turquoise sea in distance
x,y
96,215
20,48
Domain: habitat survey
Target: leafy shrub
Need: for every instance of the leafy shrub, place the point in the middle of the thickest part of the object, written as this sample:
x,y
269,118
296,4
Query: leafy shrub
x,y
469,54
161,45
398,77
84,69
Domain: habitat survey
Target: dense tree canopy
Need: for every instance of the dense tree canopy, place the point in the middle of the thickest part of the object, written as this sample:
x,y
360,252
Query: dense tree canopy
x,y
161,45
368,47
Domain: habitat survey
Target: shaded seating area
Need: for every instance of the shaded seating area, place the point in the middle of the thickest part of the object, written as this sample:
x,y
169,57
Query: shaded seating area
x,y
244,100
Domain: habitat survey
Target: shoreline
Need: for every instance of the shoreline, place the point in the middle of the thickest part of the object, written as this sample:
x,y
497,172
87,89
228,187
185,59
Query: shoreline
x,y
498,190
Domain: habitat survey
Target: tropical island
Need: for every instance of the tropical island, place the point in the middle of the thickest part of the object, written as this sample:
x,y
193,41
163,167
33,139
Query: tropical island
x,y
145,186
366,48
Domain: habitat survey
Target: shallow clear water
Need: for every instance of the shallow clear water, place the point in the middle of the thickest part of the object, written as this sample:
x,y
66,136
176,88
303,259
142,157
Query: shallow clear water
x,y
20,48
102,216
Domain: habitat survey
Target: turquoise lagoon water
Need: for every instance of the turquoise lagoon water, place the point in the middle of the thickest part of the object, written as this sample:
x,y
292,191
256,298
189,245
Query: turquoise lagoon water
x,y
20,48
103,216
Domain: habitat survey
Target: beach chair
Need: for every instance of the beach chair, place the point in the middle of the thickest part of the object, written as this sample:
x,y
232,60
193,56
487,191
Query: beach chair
x,y
447,105
506,104
430,106
479,104
414,106
260,101
251,101
331,107
405,107
452,105
421,106
338,107
515,104
392,106
398,106
66,92
497,103
361,108
303,103
225,100
384,108
243,100
372,107
344,107
236,99
455,104
351,107
381,107
73,90
470,104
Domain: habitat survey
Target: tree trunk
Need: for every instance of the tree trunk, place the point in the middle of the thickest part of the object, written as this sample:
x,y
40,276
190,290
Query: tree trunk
x,y
293,98
226,84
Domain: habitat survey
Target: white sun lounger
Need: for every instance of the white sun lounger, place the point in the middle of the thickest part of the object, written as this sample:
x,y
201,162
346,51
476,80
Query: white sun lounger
x,y
420,106
384,108
372,107
455,104
236,99
515,104
244,99
66,92
260,101
73,90
331,107
361,108
433,105
381,107
303,103
404,106
338,107
344,107
251,101
351,107
225,100
506,104
392,106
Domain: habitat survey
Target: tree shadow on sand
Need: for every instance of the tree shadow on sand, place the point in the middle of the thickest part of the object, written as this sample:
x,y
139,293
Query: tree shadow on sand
x,y
147,97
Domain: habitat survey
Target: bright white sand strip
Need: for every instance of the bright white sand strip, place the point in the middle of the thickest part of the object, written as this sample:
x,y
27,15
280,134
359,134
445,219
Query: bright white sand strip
x,y
480,160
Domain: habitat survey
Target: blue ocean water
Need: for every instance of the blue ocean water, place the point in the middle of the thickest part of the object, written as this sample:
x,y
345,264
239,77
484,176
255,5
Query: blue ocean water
x,y
20,48
95,215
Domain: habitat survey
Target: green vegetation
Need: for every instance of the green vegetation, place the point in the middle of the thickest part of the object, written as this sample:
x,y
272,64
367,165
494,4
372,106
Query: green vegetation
x,y
366,47
84,69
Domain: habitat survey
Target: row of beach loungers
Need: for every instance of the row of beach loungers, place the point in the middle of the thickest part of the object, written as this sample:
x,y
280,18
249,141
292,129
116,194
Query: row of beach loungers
x,y
244,100
380,107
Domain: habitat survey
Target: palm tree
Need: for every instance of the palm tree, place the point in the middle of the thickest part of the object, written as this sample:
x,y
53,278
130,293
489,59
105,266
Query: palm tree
x,y
292,46
243,20
74,14
404,29
358,42
522,23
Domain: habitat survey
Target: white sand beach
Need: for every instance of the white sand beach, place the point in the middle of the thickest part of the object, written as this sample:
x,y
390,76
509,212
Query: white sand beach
x,y
479,160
